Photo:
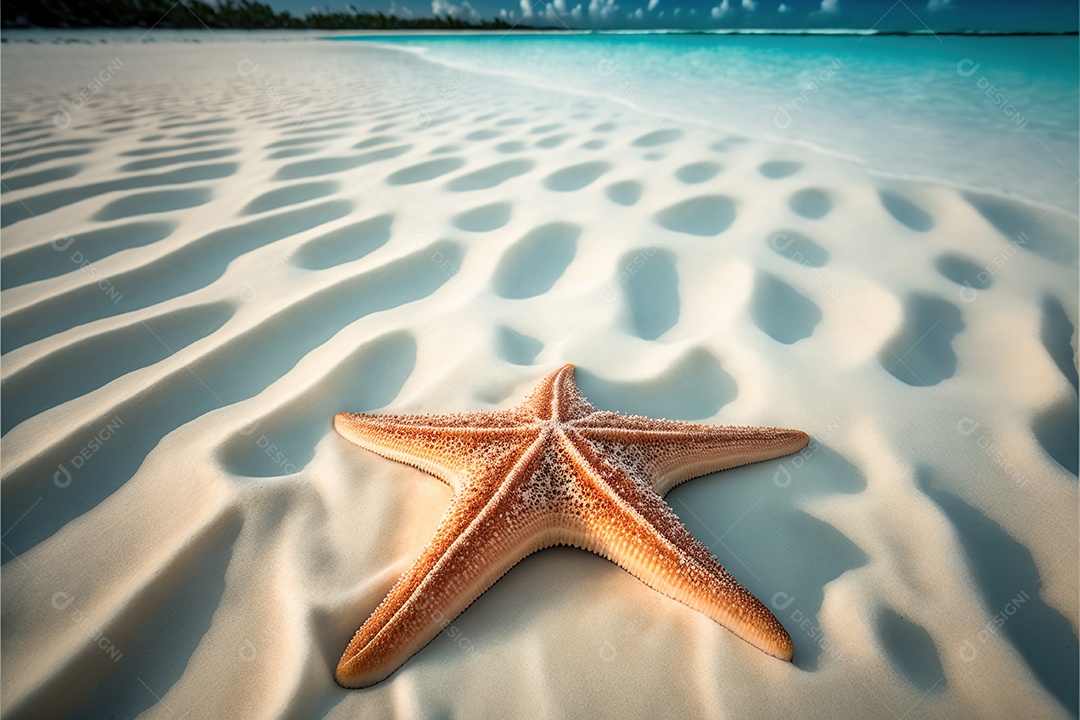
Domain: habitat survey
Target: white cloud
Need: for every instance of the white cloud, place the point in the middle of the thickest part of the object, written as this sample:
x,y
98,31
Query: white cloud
x,y
507,14
554,12
653,4
464,11
400,10
721,10
678,12
784,8
749,5
936,5
830,7
600,9
638,14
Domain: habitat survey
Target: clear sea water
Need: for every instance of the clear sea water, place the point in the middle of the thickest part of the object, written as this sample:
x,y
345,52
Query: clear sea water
x,y
994,113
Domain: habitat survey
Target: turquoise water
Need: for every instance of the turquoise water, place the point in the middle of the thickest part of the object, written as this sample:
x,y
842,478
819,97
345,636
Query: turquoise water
x,y
995,113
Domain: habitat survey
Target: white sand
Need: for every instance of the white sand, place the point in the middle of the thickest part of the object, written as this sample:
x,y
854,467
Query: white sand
x,y
183,567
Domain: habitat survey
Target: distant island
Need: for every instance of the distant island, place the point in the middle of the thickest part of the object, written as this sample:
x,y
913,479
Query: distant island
x,y
224,14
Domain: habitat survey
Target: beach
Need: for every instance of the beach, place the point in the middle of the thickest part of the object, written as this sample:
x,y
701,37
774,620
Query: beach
x,y
210,248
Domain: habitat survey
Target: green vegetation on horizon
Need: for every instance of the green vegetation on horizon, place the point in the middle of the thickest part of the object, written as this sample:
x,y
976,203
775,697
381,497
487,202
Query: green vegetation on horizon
x,y
224,14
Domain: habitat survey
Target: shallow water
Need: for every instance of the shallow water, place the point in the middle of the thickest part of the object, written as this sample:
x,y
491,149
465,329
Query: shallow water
x,y
996,113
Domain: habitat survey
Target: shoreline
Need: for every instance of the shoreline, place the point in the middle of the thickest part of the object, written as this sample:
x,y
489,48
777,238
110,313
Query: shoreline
x,y
373,39
425,54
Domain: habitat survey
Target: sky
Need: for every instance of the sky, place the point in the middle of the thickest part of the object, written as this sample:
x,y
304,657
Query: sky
x,y
1007,15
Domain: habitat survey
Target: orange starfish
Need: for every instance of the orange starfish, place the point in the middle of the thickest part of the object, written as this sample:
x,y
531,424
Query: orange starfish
x,y
555,471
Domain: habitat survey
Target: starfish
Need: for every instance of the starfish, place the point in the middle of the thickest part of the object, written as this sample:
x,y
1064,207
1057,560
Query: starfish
x,y
554,470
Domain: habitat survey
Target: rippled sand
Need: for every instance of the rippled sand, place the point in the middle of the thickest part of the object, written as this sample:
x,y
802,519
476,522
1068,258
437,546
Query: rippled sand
x,y
230,242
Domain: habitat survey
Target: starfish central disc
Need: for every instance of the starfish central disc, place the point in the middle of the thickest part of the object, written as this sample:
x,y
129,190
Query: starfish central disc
x,y
554,470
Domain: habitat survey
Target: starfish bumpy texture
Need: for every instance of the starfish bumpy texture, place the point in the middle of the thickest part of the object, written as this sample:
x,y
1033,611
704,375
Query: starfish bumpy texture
x,y
554,470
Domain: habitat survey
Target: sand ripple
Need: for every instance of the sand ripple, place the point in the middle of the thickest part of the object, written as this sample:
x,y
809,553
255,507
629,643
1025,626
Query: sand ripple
x,y
197,275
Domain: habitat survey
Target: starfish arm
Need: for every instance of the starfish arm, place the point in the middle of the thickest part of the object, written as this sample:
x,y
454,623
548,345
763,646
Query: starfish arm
x,y
450,447
557,397
481,536
673,566
634,528
672,452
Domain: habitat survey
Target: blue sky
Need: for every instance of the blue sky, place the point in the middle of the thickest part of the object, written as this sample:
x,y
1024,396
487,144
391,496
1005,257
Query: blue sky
x,y
885,14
